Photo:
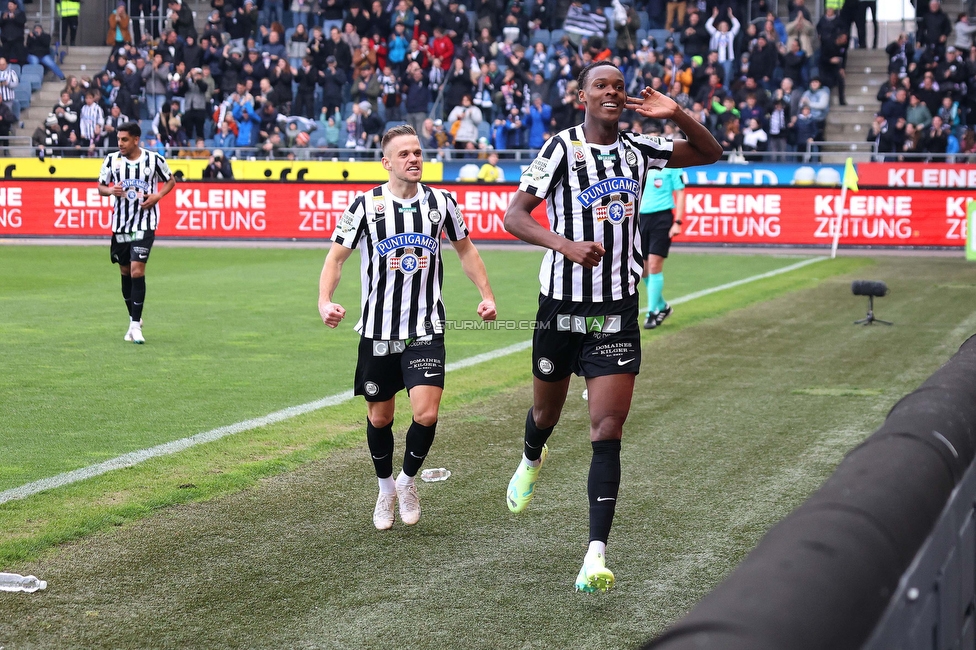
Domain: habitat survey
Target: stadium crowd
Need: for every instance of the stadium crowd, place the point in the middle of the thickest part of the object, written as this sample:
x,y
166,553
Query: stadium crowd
x,y
500,74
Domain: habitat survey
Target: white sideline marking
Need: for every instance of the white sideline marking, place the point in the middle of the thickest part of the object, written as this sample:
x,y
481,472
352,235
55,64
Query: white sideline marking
x,y
165,449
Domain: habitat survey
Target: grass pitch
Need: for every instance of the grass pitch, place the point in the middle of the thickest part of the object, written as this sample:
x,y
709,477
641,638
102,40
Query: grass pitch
x,y
746,401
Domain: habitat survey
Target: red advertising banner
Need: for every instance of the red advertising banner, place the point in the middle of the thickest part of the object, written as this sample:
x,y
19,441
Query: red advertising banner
x,y
916,175
713,215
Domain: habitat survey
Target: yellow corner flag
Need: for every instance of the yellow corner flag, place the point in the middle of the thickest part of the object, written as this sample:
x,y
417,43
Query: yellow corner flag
x,y
850,176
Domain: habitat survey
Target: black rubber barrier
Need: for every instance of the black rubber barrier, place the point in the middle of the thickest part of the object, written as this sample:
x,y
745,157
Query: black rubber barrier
x,y
823,576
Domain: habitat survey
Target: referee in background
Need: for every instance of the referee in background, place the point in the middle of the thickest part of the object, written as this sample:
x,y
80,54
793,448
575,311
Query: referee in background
x,y
132,175
662,209
397,228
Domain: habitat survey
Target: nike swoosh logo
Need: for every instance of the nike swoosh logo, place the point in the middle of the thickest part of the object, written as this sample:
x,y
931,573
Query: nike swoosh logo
x,y
605,499
418,457
380,457
431,374
622,362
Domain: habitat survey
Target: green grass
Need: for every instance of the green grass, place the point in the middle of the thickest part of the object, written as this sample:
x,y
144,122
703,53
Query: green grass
x,y
746,400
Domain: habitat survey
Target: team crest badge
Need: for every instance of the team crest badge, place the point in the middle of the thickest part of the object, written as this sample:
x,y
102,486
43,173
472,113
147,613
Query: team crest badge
x,y
409,263
631,157
545,366
371,388
434,215
658,182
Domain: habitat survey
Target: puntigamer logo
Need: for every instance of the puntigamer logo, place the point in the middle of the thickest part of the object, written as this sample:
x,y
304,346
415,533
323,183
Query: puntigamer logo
x,y
595,192
403,240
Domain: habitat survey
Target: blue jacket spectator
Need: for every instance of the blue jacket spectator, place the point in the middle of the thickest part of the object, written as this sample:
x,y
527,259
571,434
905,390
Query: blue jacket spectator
x,y
225,139
538,122
247,121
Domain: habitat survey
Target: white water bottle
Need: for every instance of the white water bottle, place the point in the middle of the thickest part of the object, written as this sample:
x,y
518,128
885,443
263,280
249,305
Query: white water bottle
x,y
436,474
17,582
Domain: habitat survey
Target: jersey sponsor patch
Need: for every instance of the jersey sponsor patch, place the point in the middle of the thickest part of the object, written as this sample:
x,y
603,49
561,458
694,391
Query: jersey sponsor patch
x,y
404,240
598,190
536,172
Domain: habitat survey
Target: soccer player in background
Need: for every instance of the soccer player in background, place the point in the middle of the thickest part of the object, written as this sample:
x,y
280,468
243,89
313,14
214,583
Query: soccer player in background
x,y
132,175
591,177
662,209
397,227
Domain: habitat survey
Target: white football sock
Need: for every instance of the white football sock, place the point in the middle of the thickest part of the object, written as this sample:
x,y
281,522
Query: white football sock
x,y
387,485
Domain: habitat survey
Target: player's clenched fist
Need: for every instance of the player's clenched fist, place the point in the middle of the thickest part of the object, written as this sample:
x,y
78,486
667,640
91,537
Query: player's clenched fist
x,y
585,253
487,310
332,313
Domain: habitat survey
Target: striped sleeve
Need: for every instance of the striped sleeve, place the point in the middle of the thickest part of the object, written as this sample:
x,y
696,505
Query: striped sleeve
x,y
454,226
543,174
349,229
655,149
105,175
162,169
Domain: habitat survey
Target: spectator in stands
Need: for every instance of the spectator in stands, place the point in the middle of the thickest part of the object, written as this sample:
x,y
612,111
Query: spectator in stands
x,y
359,19
538,121
297,46
468,116
695,38
367,88
156,82
818,99
793,61
113,120
332,80
268,121
896,107
833,59
196,101
627,28
731,138
490,172
247,120
763,61
861,19
754,138
225,138
12,23
723,40
371,123
901,56
456,21
331,13
934,28
929,92
805,130
47,139
888,88
7,122
935,140
64,110
803,30
949,113
951,73
39,50
181,17
790,97
797,7
219,167
306,78
779,119
119,31
963,32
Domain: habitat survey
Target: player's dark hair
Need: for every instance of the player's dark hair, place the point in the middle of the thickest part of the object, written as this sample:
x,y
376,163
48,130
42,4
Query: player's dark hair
x,y
585,72
395,132
132,128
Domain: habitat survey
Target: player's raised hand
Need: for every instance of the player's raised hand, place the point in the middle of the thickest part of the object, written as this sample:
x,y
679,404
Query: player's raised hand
x,y
585,253
332,313
653,104
486,309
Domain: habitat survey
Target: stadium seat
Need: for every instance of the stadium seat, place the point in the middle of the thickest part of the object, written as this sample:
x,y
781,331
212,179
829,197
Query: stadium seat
x,y
146,126
15,67
645,20
32,68
208,143
556,35
31,79
641,34
15,108
484,130
393,123
543,36
288,33
347,110
23,95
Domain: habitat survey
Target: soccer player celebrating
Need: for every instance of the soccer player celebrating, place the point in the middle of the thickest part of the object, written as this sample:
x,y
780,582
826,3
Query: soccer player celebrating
x,y
662,208
397,228
132,176
591,177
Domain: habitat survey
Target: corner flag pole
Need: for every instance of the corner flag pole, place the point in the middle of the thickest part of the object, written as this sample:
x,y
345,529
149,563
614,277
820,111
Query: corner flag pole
x,y
849,182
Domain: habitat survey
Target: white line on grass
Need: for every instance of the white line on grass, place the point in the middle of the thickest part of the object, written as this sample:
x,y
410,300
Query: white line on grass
x,y
136,457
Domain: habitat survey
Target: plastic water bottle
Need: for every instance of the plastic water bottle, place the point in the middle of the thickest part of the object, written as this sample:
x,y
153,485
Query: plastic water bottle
x,y
17,582
435,474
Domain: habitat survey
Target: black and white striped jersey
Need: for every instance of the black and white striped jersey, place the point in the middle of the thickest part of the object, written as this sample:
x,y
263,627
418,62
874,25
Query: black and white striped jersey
x,y
592,193
138,178
399,243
